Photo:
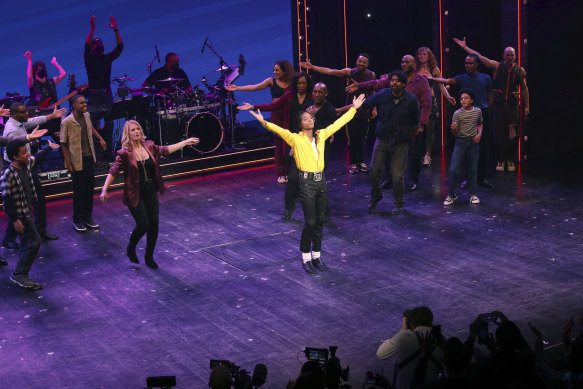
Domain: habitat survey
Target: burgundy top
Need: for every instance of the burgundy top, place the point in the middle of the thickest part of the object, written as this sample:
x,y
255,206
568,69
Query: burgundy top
x,y
418,86
127,162
281,104
277,115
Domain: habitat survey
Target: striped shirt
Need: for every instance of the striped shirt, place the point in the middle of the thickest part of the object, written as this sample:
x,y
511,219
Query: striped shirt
x,y
467,122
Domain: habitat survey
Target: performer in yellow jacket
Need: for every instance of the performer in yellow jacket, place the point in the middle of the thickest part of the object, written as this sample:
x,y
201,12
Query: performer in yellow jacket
x,y
308,147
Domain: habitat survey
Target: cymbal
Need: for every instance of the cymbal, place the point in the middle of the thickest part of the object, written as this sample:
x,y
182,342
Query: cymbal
x,y
169,79
224,67
124,78
146,89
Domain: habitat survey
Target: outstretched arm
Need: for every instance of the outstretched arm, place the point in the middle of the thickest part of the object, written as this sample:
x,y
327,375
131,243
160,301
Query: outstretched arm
x,y
250,88
490,64
179,145
447,81
331,72
443,89
62,72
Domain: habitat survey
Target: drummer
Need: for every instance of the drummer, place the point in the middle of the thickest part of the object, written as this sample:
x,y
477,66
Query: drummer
x,y
169,76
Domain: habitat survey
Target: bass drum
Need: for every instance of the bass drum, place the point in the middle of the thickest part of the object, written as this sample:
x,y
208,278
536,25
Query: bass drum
x,y
208,129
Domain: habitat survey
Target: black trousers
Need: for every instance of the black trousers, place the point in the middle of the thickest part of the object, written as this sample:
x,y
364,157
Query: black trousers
x,y
83,186
314,199
29,244
357,129
292,186
39,210
416,153
146,215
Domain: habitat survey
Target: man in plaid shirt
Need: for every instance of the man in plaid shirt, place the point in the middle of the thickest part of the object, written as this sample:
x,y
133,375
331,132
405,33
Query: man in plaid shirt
x,y
18,193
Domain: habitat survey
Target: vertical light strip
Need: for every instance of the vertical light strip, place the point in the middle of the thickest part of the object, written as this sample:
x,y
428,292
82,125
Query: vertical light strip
x,y
306,28
345,40
299,32
520,105
442,67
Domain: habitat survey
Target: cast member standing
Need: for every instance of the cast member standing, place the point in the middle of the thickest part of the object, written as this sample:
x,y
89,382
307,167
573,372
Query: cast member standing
x,y
43,90
98,66
397,125
138,159
509,85
19,194
18,125
77,134
358,127
283,71
308,148
481,87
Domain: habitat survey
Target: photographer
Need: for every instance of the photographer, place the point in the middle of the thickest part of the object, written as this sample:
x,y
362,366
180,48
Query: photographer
x,y
406,346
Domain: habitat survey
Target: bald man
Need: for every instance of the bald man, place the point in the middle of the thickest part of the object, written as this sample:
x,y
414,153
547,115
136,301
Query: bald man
x,y
509,83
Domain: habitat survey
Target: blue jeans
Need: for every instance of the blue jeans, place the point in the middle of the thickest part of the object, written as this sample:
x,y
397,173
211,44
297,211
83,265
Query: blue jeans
x,y
29,245
467,153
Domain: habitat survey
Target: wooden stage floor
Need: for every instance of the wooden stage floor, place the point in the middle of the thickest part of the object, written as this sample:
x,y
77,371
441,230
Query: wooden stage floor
x,y
230,285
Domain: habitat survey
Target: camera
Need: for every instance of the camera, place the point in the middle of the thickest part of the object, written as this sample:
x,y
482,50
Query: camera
x,y
331,367
483,334
241,377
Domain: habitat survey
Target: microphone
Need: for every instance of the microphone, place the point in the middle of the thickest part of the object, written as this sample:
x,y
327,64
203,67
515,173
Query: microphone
x,y
204,44
259,375
157,53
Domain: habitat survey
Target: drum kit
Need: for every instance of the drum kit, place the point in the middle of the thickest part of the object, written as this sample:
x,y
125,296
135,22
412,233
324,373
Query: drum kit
x,y
172,113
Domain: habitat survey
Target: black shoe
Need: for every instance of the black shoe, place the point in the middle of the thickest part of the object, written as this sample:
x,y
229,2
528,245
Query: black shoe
x,y
3,262
90,223
318,264
151,263
464,185
396,210
46,236
287,215
132,255
412,186
387,184
485,184
80,227
308,267
373,203
12,245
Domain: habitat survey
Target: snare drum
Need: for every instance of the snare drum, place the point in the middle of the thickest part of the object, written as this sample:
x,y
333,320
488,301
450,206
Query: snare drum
x,y
208,129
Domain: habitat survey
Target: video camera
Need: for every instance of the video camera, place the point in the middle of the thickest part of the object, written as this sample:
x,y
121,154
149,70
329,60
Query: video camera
x,y
333,372
241,377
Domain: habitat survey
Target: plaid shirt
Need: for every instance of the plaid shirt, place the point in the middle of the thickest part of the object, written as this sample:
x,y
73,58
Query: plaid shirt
x,y
15,203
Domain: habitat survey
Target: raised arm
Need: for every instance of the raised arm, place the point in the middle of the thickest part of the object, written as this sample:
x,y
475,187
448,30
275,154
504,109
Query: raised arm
x,y
490,64
62,72
268,82
331,72
113,25
89,38
29,75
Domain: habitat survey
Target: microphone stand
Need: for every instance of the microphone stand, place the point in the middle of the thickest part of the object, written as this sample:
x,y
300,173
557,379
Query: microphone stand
x,y
230,120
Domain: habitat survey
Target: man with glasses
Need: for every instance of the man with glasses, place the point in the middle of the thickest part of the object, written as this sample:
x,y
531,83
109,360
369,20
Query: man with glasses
x,y
480,85
18,125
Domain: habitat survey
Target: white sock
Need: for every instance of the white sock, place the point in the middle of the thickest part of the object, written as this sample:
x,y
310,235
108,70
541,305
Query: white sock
x,y
306,257
316,255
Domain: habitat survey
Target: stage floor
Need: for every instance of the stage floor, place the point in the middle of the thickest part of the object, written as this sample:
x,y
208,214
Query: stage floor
x,y
230,284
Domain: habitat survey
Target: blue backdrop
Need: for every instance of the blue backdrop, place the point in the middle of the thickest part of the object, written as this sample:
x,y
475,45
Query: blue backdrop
x,y
258,29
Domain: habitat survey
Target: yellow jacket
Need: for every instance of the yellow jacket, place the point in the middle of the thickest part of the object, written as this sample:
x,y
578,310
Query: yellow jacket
x,y
303,152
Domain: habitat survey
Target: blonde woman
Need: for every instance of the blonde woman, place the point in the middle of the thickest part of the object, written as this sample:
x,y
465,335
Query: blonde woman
x,y
138,159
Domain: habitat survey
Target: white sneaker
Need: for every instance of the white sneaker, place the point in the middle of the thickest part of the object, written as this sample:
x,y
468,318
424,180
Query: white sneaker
x,y
281,180
500,167
449,200
427,160
511,166
474,199
353,169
